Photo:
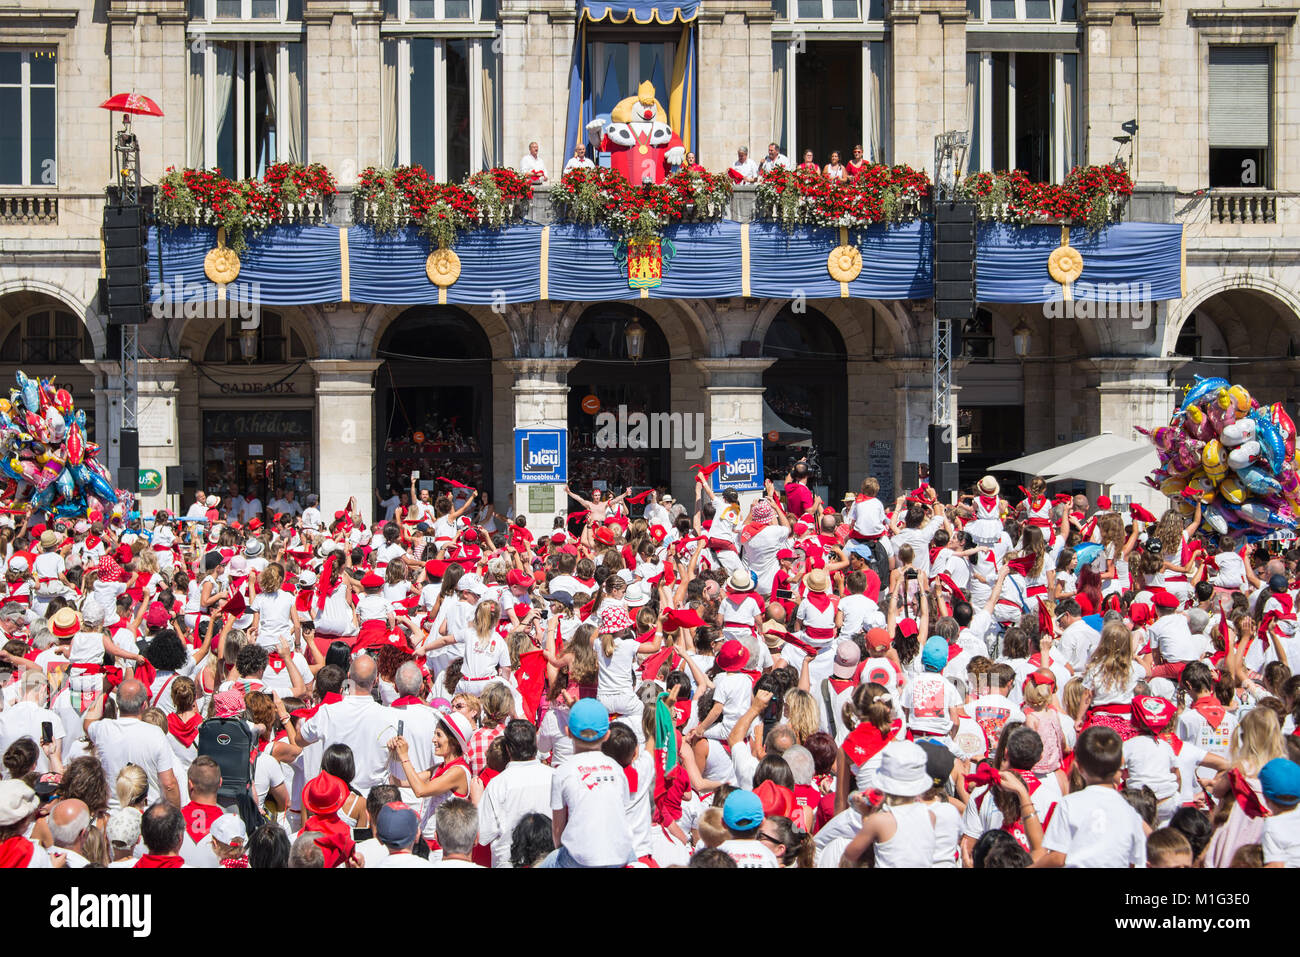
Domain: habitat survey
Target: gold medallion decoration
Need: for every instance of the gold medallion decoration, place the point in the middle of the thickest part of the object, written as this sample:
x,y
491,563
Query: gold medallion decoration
x,y
221,265
442,267
844,263
1065,265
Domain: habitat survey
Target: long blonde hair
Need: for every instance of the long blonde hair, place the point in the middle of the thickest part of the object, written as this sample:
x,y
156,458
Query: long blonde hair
x,y
1256,740
1169,530
1112,662
486,616
1112,532
801,714
132,784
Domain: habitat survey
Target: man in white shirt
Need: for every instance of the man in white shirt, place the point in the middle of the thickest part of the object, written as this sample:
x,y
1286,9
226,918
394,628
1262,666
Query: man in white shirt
x,y
579,159
532,166
742,815
1078,639
389,505
199,507
1171,635
361,723
128,740
290,506
456,826
775,159
69,823
397,827
311,518
744,170
252,506
917,532
24,718
523,788
418,724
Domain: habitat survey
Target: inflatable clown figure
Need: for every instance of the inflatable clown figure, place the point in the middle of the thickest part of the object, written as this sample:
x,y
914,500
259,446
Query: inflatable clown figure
x,y
641,143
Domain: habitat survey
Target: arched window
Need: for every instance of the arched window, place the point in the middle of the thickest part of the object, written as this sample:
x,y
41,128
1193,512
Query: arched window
x,y
48,335
273,340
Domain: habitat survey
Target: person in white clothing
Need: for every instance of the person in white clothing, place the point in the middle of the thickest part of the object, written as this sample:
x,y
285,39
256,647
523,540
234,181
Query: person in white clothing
x,y
902,831
523,788
128,740
397,829
360,722
579,159
1279,779
457,829
533,167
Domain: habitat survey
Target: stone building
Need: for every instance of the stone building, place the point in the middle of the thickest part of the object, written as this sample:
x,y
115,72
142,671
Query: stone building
x,y
325,396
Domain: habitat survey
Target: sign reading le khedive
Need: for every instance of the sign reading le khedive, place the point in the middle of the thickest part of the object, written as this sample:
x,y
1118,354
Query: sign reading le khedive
x,y
236,425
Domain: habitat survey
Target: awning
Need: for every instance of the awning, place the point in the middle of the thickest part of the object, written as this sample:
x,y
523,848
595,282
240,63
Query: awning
x,y
646,11
1126,468
786,434
1060,460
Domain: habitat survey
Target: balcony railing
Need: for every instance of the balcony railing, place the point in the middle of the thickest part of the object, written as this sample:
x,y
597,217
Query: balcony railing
x,y
1247,206
29,209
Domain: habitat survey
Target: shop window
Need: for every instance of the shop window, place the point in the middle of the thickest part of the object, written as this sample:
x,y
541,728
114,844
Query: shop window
x,y
49,335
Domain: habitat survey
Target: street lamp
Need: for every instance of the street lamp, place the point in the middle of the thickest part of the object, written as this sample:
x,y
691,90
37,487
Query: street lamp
x,y
634,334
1020,340
248,344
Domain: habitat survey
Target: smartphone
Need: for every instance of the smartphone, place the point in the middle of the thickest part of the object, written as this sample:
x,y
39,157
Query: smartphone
x,y
415,475
400,726
47,732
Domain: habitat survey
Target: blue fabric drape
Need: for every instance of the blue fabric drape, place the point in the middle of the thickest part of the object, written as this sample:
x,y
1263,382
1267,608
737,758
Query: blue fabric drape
x,y
495,266
289,264
1127,262
895,262
646,11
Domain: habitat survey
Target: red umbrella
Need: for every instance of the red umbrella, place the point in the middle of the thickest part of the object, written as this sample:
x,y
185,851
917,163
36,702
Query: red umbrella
x,y
131,103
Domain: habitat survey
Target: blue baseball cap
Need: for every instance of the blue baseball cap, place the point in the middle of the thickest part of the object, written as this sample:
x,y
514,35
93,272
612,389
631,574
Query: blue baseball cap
x,y
743,811
1095,622
589,720
1280,782
397,825
934,656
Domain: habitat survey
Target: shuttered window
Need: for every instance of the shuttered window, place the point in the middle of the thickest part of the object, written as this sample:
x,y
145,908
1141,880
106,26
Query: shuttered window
x,y
1240,96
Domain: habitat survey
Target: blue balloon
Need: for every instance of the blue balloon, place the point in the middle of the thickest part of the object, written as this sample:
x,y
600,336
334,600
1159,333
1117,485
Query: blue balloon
x,y
1087,553
1201,389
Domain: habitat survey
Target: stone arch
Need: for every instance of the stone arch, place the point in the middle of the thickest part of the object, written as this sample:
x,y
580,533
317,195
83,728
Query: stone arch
x,y
850,320
195,332
74,303
682,321
1260,286
505,332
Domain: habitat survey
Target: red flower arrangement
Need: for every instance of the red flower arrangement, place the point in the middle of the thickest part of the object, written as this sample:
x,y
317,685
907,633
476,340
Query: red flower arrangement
x,y
1092,195
389,199
875,194
599,196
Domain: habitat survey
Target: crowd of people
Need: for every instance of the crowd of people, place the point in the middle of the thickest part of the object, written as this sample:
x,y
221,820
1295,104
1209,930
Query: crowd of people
x,y
1008,681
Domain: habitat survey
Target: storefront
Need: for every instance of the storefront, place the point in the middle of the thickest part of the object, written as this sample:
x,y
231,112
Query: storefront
x,y
264,451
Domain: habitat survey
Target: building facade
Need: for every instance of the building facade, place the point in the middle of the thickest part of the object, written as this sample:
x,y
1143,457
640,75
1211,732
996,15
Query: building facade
x,y
1203,103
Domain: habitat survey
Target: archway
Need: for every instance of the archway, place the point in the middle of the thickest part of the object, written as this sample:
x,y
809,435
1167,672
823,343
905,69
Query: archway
x,y
806,398
1244,335
623,388
433,400
45,338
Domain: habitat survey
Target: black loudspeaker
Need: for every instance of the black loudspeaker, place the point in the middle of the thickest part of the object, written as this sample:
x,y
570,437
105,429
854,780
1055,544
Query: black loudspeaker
x,y
128,471
954,262
126,265
175,479
943,472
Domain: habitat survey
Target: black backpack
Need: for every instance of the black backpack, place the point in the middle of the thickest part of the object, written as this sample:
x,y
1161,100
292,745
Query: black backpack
x,y
233,745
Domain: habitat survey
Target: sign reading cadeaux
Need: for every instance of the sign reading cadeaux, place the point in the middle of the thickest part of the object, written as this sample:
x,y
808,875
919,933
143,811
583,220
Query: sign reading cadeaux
x,y
741,464
541,456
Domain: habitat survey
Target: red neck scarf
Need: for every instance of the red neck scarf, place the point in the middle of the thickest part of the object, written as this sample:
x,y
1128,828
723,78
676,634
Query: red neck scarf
x,y
985,774
16,852
865,742
1246,797
406,700
1208,707
818,599
184,731
161,860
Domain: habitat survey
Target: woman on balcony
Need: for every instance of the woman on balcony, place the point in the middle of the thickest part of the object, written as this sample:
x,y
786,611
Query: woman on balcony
x,y
834,169
858,163
809,163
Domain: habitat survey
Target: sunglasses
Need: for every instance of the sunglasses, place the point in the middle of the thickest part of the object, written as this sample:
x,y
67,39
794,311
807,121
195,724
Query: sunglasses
x,y
768,838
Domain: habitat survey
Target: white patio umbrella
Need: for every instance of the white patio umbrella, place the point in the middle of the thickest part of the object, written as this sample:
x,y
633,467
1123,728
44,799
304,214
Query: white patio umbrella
x,y
1060,460
1126,468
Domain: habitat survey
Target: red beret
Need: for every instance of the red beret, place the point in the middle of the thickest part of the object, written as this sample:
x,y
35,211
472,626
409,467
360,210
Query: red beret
x,y
1165,599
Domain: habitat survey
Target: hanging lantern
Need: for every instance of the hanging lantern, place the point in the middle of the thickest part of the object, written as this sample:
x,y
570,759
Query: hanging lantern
x,y
634,335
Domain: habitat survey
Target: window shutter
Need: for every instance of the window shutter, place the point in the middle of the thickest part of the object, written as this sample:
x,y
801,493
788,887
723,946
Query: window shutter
x,y
1240,91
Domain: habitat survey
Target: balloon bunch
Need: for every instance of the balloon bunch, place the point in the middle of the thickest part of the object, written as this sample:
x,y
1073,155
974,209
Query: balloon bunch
x,y
46,462
1236,457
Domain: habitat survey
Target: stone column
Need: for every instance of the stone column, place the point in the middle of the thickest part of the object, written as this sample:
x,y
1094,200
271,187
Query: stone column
x,y
158,416
929,75
734,391
541,400
345,398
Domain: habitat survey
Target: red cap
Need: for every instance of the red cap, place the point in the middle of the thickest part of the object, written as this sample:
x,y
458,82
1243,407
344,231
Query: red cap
x,y
908,627
604,536
435,568
1152,713
732,656
1103,503
784,554
558,538
371,580
658,533
879,638
1165,599
254,523
324,794
340,514
1140,614
520,578
777,801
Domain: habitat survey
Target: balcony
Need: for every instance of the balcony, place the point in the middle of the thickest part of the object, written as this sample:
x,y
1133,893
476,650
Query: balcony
x,y
1242,206
29,209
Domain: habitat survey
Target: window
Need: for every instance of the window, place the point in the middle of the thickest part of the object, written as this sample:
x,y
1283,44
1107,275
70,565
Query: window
x,y
830,96
48,335
1241,116
1050,11
276,341
27,109
273,10
977,337
429,9
254,115
1022,110
827,9
615,68
440,105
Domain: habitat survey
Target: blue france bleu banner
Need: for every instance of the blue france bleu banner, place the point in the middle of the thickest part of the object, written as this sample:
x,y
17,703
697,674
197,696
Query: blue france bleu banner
x,y
541,456
742,464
